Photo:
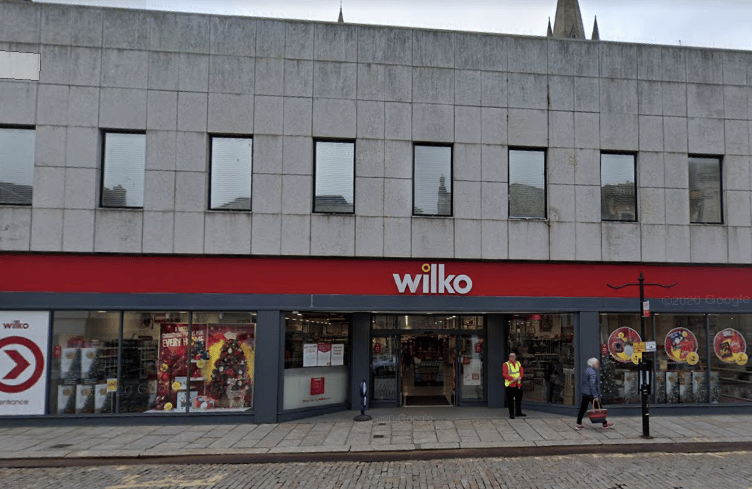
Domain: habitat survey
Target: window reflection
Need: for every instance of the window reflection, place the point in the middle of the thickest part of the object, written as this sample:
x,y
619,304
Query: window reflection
x,y
335,177
527,184
704,190
618,194
124,165
16,166
432,182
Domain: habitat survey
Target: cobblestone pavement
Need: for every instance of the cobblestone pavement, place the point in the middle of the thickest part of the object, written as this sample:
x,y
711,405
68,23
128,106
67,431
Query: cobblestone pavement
x,y
388,431
639,471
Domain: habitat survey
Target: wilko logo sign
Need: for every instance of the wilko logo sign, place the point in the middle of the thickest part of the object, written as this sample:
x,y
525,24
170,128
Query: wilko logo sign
x,y
16,324
433,280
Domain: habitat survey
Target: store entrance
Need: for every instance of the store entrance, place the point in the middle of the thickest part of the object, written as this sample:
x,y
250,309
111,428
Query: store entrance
x,y
428,372
428,360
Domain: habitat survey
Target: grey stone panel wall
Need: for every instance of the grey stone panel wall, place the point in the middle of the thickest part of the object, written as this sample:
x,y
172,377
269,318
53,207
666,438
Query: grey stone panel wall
x,y
180,78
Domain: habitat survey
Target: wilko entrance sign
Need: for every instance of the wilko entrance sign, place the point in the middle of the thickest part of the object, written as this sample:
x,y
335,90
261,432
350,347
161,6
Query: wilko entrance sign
x,y
23,362
433,280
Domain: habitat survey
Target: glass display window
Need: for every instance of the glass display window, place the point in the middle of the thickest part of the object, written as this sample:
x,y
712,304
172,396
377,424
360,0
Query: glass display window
x,y
619,372
680,371
85,362
544,346
316,359
221,362
730,368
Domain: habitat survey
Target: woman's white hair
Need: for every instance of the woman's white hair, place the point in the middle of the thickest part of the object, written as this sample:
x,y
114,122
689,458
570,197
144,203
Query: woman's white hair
x,y
592,361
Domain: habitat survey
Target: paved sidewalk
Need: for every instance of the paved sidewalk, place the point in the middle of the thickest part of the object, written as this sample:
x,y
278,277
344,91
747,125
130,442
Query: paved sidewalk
x,y
401,429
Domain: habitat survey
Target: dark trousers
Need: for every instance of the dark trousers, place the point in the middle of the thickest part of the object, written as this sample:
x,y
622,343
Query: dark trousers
x,y
514,400
586,400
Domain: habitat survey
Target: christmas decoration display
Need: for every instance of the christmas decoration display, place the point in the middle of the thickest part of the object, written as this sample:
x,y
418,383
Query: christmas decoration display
x,y
213,370
230,380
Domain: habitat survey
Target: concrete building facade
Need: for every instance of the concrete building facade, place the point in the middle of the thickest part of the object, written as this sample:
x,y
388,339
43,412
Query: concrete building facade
x,y
181,80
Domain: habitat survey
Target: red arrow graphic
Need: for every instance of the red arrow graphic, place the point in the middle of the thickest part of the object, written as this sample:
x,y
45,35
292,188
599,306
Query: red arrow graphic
x,y
21,364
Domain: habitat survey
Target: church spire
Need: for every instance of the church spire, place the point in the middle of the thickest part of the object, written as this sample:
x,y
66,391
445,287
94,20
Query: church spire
x,y
568,20
341,19
596,35
550,33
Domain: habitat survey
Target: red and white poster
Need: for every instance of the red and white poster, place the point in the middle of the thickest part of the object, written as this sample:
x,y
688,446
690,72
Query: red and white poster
x,y
324,356
23,362
317,386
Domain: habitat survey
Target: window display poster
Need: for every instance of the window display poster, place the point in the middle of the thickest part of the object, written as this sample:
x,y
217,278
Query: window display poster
x,y
310,351
730,347
23,362
317,386
173,360
338,354
620,344
681,346
324,356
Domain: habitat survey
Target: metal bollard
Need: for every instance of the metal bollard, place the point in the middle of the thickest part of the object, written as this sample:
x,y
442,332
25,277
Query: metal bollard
x,y
363,402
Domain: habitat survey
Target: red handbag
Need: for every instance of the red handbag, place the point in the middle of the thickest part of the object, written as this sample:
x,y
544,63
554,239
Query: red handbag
x,y
597,414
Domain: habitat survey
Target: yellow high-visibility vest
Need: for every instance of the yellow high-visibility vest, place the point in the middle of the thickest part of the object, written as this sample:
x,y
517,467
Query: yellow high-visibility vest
x,y
513,369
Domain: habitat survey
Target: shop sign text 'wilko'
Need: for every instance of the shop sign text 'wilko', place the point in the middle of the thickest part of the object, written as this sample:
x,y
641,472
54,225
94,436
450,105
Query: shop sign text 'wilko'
x,y
434,281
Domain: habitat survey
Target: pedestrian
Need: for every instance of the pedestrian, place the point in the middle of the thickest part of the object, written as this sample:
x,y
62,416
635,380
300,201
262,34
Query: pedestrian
x,y
590,387
513,372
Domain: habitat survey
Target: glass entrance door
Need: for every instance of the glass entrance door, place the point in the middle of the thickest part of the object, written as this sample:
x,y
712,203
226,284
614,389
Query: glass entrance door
x,y
428,374
470,357
384,368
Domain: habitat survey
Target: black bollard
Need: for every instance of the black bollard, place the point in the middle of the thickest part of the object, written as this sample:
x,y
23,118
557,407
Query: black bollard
x,y
363,402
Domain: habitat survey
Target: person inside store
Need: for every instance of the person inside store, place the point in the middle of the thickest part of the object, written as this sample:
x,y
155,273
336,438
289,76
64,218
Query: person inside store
x,y
590,386
513,372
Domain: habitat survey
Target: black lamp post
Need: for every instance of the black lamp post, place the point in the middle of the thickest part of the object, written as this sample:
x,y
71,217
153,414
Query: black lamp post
x,y
645,368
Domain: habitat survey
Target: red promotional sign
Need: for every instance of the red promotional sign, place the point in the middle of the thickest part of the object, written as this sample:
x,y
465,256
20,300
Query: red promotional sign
x,y
604,349
478,347
377,348
57,352
21,364
317,386
355,276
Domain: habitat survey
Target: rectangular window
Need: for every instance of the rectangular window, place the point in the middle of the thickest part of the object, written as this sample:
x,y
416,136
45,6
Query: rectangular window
x,y
705,190
432,181
123,170
335,177
112,362
527,183
317,359
231,172
16,165
618,190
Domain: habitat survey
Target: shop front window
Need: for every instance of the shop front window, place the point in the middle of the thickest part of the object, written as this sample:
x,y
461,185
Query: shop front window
x,y
681,359
544,346
151,366
221,361
317,359
84,368
619,373
731,371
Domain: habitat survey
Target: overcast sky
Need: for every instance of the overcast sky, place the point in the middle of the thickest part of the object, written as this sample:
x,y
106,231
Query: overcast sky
x,y
711,23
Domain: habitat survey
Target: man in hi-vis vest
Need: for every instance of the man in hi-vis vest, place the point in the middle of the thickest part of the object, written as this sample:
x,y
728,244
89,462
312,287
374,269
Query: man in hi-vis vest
x,y
513,373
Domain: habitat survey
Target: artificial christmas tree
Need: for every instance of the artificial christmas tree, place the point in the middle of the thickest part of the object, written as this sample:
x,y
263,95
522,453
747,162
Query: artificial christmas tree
x,y
230,381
